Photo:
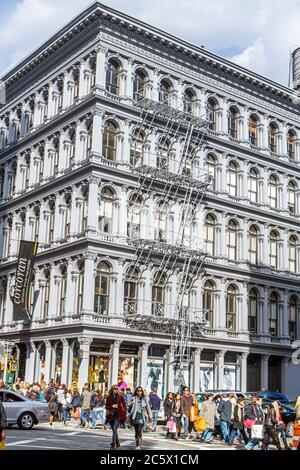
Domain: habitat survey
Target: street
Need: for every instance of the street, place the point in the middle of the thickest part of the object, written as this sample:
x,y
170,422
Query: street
x,y
61,437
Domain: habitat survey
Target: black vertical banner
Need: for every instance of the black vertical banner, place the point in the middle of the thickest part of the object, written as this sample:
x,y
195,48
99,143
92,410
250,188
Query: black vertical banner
x,y
24,277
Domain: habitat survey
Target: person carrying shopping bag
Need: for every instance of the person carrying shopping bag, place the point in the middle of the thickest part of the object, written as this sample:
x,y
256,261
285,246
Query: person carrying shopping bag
x,y
140,414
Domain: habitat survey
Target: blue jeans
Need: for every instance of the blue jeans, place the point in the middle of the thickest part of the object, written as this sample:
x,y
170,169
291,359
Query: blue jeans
x,y
206,436
114,426
225,430
85,416
252,444
154,417
95,413
185,424
65,414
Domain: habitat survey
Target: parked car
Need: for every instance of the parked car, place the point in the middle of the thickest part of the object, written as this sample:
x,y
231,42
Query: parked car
x,y
23,411
268,395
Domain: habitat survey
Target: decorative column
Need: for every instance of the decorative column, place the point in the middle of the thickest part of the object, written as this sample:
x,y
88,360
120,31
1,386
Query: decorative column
x,y
142,379
170,370
285,379
65,362
220,369
30,362
101,53
114,366
88,285
92,216
264,369
97,131
196,370
84,357
243,369
265,322
48,361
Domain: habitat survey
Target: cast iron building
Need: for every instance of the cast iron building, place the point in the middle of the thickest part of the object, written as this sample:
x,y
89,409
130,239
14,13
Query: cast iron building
x,y
73,137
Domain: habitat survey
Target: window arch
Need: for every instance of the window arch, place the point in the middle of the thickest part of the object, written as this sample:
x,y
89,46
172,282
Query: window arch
x,y
211,163
112,77
293,308
189,98
210,234
253,130
212,107
273,191
253,244
273,249
106,210
131,291
137,147
273,314
293,242
165,91
232,240
233,115
232,178
253,185
139,85
272,137
231,307
102,288
163,151
292,197
161,221
208,301
158,294
109,144
252,311
291,145
134,217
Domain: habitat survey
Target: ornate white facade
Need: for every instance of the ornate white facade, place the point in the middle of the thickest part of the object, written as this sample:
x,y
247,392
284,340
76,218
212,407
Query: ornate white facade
x,y
70,135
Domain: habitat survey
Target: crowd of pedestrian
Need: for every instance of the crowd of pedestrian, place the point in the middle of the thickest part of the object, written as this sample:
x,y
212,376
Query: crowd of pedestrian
x,y
222,417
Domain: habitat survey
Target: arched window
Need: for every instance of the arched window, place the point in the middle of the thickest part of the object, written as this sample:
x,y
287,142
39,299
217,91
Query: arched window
x,y
208,302
102,286
131,291
139,85
253,185
158,294
162,159
211,167
272,137
212,107
137,148
273,249
293,254
273,314
231,307
253,130
134,217
210,234
232,240
165,92
233,122
292,197
106,210
232,179
291,145
63,291
109,144
79,287
161,222
253,245
273,191
293,307
188,101
112,77
252,311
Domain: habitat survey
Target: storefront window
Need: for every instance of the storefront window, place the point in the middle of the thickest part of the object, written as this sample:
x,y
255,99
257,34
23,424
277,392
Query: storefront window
x,y
155,374
127,376
98,373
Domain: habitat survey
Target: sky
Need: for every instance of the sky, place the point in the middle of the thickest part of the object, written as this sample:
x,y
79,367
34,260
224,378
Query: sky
x,y
256,34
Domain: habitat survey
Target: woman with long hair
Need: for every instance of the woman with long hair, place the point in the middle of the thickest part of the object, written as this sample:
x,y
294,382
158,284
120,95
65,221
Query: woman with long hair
x,y
140,414
53,406
271,422
168,403
115,413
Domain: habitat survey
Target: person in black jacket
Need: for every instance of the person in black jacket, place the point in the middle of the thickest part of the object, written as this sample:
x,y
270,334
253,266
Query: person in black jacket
x,y
238,421
271,421
225,411
168,403
3,422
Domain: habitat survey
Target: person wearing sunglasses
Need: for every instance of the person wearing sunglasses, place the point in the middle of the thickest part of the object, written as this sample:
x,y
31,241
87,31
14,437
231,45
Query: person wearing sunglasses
x,y
140,414
115,413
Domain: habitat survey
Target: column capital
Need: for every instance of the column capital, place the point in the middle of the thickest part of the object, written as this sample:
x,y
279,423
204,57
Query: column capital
x,y
244,355
85,341
198,351
116,344
265,357
145,346
48,343
64,341
221,353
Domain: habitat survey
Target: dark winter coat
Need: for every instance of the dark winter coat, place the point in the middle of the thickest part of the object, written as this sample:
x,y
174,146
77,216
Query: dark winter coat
x,y
238,417
168,408
225,410
53,404
121,410
154,401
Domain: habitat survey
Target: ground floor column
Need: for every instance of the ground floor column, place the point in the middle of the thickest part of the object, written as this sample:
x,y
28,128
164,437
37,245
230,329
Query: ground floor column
x,y
142,379
243,371
170,370
220,369
84,358
114,363
30,362
284,374
65,362
196,370
48,361
70,369
264,383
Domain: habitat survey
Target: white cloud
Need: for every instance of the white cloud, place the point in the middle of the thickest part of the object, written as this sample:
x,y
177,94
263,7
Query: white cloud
x,y
262,31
